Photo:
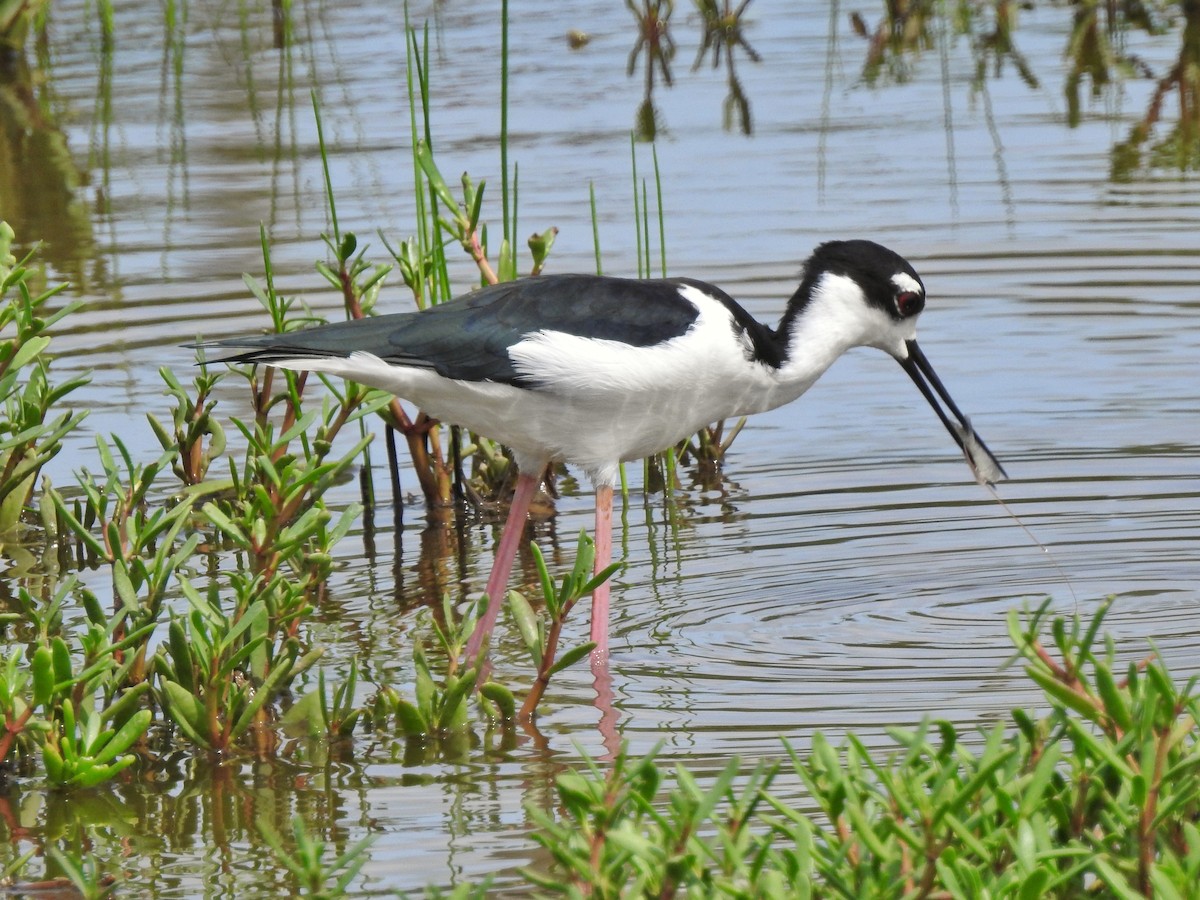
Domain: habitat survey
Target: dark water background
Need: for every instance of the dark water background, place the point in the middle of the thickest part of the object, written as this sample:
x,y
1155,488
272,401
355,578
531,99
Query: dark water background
x,y
848,574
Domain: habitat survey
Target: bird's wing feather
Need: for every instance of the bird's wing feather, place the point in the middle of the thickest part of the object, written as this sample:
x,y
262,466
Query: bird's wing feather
x,y
468,338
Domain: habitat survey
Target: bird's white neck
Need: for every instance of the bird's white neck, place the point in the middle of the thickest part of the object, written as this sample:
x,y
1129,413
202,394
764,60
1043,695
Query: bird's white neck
x,y
833,319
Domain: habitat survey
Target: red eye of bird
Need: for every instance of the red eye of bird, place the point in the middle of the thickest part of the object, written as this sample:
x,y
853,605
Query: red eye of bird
x,y
909,303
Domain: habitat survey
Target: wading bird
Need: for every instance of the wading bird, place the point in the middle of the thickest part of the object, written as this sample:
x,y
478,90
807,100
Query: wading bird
x,y
594,371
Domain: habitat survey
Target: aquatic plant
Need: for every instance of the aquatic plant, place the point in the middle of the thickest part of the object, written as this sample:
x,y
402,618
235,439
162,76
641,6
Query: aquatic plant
x,y
541,635
29,435
82,702
439,708
724,34
1157,141
17,17
1099,796
317,876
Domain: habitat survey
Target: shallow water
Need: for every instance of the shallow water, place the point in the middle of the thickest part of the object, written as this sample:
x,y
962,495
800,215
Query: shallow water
x,y
847,574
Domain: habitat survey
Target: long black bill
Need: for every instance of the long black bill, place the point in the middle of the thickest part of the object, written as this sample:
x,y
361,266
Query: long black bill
x,y
984,465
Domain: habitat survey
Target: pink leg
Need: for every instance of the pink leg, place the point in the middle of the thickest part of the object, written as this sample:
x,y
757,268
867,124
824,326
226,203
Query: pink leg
x,y
604,502
506,554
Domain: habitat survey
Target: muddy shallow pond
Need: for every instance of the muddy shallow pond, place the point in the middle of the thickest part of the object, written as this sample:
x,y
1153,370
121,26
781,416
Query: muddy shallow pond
x,y
845,573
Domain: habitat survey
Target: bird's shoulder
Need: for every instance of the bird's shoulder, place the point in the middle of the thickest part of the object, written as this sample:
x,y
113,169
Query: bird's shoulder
x,y
639,312
469,337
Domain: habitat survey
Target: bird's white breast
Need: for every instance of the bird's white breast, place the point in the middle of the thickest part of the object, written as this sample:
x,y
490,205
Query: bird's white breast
x,y
616,401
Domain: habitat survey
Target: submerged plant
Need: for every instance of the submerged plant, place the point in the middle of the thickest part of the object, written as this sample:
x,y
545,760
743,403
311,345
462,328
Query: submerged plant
x,y
541,636
90,879
441,704
142,546
317,875
220,669
326,714
16,704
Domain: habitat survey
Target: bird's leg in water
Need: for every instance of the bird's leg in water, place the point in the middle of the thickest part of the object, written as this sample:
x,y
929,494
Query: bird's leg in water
x,y
604,503
506,554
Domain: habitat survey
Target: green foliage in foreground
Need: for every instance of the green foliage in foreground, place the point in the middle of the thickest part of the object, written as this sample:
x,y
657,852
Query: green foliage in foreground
x,y
1100,798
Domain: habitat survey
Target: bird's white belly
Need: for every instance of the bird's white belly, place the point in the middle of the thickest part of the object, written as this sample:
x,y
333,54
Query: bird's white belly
x,y
594,431
616,402
617,409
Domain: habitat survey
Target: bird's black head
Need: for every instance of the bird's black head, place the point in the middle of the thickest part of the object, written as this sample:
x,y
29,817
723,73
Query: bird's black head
x,y
860,293
887,279
864,294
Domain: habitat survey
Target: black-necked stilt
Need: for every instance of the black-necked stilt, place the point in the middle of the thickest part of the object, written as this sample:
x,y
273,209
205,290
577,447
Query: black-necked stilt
x,y
594,371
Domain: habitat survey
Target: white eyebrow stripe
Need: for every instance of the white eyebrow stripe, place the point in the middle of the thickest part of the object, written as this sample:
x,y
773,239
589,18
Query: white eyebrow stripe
x,y
906,282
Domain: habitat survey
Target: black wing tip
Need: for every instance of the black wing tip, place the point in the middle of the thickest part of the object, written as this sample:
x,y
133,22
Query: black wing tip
x,y
262,349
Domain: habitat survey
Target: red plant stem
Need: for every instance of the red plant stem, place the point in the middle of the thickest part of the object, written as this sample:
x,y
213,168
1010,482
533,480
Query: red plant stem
x,y
1146,833
11,729
472,246
536,692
